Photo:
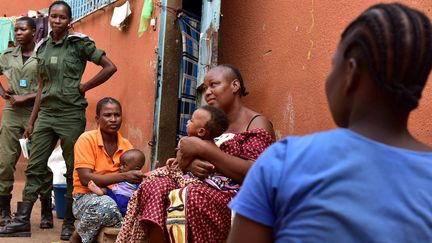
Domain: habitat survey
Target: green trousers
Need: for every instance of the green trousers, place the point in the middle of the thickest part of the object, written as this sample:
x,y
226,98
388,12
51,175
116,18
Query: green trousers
x,y
48,129
14,122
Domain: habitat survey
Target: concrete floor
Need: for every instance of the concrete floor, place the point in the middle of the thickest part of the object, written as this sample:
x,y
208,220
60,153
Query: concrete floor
x,y
38,235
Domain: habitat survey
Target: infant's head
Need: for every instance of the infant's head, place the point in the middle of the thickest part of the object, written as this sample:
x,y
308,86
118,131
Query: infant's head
x,y
132,159
207,122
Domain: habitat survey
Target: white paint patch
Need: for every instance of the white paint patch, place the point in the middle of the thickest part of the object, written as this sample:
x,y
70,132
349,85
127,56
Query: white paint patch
x,y
135,134
278,134
289,115
309,54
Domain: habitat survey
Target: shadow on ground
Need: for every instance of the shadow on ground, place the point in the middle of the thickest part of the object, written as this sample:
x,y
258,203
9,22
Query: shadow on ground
x,y
38,235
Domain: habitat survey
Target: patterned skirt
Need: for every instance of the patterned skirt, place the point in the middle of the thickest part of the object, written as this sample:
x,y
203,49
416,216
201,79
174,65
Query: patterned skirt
x,y
208,218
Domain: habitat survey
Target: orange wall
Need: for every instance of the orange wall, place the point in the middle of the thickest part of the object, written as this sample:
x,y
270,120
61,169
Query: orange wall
x,y
17,7
133,84
284,50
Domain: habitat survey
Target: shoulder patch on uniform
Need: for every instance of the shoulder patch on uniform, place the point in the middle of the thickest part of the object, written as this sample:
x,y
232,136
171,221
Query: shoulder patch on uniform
x,y
77,35
8,50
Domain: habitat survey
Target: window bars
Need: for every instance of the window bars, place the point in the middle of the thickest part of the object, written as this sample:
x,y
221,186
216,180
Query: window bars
x,y
83,8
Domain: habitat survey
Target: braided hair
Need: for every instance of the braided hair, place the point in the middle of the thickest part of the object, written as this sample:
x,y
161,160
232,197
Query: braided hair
x,y
101,103
237,75
395,43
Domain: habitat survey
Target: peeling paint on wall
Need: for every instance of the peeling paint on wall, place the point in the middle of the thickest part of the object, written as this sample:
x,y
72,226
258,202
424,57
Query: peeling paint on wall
x,y
147,152
289,115
135,134
267,53
309,55
278,134
310,49
209,38
288,69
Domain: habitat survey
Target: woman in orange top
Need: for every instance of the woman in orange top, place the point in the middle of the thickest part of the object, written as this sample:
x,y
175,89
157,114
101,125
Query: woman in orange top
x,y
97,159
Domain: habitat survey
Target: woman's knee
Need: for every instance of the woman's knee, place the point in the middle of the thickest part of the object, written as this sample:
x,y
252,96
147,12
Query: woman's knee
x,y
199,195
101,207
105,203
98,212
159,186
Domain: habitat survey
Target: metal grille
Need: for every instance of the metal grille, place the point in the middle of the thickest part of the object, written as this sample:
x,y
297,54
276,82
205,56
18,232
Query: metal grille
x,y
82,8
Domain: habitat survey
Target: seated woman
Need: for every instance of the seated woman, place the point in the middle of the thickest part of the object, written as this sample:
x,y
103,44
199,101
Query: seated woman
x,y
97,159
208,218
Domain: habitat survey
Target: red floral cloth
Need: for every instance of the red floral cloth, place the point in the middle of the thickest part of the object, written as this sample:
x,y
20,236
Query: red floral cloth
x,y
208,216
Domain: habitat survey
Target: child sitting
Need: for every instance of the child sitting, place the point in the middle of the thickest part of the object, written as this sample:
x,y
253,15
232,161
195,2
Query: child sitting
x,y
121,192
207,123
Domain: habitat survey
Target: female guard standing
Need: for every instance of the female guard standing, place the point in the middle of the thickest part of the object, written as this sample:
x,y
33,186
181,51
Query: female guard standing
x,y
59,109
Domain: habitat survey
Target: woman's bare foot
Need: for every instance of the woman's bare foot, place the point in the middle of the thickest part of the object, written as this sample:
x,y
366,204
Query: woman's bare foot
x,y
95,189
75,238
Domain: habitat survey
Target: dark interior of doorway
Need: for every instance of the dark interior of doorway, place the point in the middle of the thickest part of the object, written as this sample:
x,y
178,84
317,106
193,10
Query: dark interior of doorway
x,y
193,6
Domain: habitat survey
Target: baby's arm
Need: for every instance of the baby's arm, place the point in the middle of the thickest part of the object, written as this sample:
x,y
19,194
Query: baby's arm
x,y
95,189
182,162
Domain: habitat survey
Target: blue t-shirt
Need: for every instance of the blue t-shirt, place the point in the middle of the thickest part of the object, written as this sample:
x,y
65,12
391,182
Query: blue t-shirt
x,y
338,186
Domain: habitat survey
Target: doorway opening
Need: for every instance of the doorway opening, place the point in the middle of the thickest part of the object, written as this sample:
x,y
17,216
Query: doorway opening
x,y
177,83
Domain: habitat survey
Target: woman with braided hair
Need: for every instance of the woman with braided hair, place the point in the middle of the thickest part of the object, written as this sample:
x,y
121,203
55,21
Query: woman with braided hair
x,y
368,180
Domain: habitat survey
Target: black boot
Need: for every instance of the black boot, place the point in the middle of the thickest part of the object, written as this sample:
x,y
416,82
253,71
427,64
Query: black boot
x,y
20,225
46,214
68,226
5,217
